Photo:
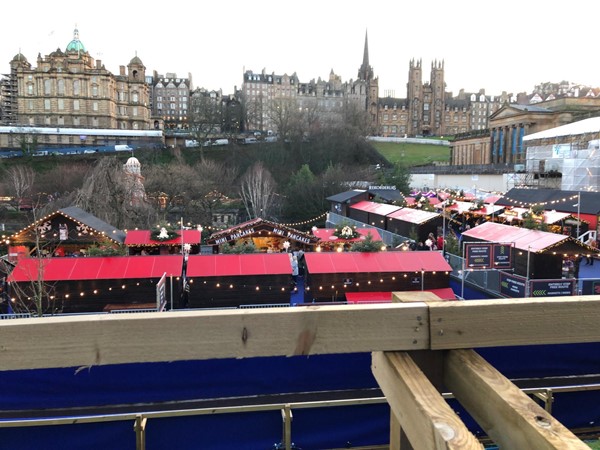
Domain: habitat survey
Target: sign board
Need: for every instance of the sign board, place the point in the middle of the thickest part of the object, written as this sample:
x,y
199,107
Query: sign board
x,y
552,288
502,256
478,256
512,286
161,293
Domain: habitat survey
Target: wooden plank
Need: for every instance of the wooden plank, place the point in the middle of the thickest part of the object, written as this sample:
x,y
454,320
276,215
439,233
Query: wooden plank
x,y
507,322
414,296
511,418
422,412
70,341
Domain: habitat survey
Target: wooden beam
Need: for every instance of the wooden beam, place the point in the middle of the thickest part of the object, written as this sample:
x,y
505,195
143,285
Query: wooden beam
x,y
511,418
70,341
422,412
507,322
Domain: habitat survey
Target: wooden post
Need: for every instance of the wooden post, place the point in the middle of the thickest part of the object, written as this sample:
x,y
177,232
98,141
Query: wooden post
x,y
139,427
286,417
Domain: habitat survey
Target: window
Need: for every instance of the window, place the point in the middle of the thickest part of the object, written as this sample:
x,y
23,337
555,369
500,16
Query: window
x,y
61,120
425,106
47,104
61,104
47,87
95,106
95,90
134,97
30,104
76,105
61,86
95,121
76,87
75,120
30,88
134,111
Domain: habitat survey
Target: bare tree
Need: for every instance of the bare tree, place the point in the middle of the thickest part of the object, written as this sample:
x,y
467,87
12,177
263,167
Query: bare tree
x,y
206,114
20,181
258,191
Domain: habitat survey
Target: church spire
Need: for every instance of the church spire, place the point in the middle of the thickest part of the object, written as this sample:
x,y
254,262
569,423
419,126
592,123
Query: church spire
x,y
366,71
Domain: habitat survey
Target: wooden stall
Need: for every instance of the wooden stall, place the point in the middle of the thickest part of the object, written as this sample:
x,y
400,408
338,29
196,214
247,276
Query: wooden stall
x,y
539,252
409,221
372,213
340,203
331,275
218,281
557,222
68,231
266,236
329,241
91,284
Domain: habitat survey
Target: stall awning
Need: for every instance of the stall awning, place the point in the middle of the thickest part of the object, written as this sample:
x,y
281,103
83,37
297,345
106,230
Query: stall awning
x,y
97,268
326,235
464,207
383,209
411,215
143,237
239,265
355,262
550,217
386,297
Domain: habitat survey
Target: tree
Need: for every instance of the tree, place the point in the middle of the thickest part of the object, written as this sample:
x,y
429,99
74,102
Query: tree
x,y
108,194
257,191
287,118
20,181
398,175
206,115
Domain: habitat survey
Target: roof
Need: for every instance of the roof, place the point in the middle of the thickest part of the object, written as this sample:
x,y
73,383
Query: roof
x,y
383,209
550,217
256,227
356,262
523,238
485,210
345,196
559,200
386,297
143,237
239,265
97,268
326,234
412,215
390,195
591,125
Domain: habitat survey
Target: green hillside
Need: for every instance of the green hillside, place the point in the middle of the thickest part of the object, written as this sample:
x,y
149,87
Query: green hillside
x,y
411,154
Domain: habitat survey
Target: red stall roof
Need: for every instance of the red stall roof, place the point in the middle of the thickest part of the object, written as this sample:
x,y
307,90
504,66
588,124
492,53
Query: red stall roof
x,y
386,297
97,268
326,234
355,262
383,209
236,265
142,237
412,215
524,238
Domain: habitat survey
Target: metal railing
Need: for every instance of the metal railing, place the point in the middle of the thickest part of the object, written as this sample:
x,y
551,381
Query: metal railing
x,y
388,237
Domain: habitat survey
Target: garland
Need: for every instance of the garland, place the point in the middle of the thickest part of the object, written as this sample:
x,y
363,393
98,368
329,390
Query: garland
x,y
163,235
346,232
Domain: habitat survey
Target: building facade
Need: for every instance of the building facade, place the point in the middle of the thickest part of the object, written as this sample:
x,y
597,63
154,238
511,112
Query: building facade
x,y
69,88
170,99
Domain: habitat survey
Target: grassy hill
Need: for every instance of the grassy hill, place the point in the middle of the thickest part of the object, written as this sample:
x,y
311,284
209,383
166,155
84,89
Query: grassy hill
x,y
411,154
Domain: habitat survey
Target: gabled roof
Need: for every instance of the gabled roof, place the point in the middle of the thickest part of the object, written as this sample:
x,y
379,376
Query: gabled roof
x,y
239,265
256,227
79,215
358,262
525,239
345,196
553,199
97,268
390,195
413,215
515,109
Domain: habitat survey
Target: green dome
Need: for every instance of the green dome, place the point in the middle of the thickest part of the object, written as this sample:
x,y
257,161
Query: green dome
x,y
75,45
19,57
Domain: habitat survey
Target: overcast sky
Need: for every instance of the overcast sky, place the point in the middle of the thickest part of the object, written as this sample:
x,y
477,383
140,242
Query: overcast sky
x,y
505,46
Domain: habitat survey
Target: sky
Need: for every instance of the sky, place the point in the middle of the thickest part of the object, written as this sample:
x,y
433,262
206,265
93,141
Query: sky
x,y
508,46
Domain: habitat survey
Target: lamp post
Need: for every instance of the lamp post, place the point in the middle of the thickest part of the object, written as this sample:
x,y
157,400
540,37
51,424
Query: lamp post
x,y
578,212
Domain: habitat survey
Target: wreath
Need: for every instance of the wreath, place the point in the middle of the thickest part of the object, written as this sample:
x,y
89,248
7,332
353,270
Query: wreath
x,y
346,232
163,235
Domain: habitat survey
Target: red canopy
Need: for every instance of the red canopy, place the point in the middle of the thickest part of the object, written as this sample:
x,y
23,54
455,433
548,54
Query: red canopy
x,y
524,238
386,297
236,265
97,268
142,237
355,262
383,209
326,234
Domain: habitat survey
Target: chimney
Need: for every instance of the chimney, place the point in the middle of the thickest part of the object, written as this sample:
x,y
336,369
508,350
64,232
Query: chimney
x,y
122,71
98,64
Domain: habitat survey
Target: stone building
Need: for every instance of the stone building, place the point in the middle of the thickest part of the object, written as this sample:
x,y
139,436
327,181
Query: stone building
x,y
170,99
69,88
